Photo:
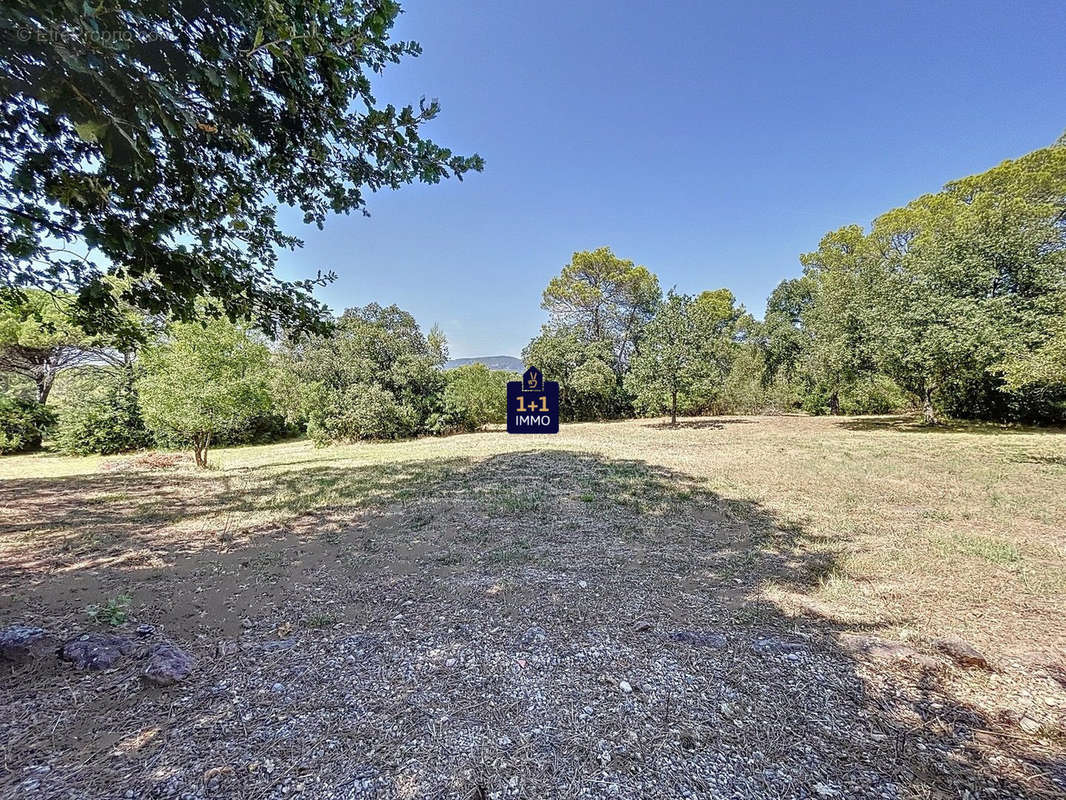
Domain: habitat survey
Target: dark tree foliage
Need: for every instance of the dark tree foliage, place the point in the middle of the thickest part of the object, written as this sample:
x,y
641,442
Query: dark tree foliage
x,y
159,135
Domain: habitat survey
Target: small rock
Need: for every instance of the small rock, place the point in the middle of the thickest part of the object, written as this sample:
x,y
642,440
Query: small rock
x,y
642,625
824,791
167,665
534,635
451,662
728,710
1028,725
278,688
625,687
21,643
583,584
145,630
772,644
96,650
887,650
699,638
961,652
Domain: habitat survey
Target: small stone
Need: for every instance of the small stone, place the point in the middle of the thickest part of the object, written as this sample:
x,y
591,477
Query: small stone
x,y
824,791
167,665
699,638
96,650
962,652
583,584
145,630
451,662
772,644
21,643
1028,725
728,710
278,688
642,625
533,636
625,687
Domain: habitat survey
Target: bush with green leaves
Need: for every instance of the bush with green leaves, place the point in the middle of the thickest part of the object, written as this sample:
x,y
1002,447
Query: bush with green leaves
x,y
205,380
376,376
475,396
23,424
360,411
100,413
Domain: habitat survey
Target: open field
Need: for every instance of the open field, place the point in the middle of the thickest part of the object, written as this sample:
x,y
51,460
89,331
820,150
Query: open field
x,y
749,607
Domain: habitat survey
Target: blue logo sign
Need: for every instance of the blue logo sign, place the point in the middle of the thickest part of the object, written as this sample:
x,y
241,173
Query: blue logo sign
x,y
532,404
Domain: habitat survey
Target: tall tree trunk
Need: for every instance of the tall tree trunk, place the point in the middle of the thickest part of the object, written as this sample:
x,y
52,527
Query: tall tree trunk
x,y
928,409
673,408
834,403
44,386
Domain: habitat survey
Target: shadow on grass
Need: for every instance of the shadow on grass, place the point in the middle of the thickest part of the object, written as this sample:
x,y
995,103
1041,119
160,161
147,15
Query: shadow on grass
x,y
650,543
910,424
700,423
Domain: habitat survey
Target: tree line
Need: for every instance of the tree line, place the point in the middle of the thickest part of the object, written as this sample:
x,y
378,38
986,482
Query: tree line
x,y
954,304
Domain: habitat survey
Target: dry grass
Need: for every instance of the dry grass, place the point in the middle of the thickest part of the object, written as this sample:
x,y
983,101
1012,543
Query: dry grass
x,y
873,525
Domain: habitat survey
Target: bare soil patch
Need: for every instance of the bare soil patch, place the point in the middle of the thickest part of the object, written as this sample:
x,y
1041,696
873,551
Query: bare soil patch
x,y
622,611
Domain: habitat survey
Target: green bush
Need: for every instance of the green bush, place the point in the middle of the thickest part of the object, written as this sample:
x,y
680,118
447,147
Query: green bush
x,y
100,414
475,396
362,411
875,394
376,376
23,424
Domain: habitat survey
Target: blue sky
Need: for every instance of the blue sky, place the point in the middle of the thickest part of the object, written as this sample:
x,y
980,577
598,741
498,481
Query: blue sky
x,y
711,142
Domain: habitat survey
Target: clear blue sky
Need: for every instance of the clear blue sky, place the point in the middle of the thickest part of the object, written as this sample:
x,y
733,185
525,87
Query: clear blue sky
x,y
711,142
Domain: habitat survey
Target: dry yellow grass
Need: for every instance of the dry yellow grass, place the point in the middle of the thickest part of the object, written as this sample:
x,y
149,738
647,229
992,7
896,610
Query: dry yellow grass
x,y
959,530
870,525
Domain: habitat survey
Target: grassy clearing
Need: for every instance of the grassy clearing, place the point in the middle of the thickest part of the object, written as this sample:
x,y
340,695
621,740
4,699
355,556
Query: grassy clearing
x,y
957,530
867,525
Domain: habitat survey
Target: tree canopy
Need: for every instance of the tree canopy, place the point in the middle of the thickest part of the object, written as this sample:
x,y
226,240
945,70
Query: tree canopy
x,y
152,141
202,380
603,298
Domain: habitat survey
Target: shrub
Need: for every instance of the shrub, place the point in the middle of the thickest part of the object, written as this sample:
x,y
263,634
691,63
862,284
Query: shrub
x,y
362,411
100,414
23,424
376,376
475,396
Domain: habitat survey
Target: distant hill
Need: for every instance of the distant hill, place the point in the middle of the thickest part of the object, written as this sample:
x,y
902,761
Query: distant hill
x,y
508,363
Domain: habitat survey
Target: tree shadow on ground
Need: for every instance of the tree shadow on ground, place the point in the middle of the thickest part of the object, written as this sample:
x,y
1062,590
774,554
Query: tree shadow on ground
x,y
702,423
911,424
384,599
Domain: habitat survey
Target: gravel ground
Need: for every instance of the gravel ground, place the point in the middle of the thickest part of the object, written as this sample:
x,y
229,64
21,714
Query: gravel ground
x,y
500,636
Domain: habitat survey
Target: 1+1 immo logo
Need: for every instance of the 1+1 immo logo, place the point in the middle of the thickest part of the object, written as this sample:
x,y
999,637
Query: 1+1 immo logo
x,y
532,404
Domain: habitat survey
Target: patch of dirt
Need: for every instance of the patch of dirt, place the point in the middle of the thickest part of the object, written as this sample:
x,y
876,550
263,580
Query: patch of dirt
x,y
537,624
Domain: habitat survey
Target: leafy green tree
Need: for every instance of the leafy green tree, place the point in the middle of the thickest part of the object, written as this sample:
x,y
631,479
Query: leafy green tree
x,y
975,274
476,396
203,380
603,298
786,339
588,384
100,413
844,275
376,375
152,140
677,353
39,338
